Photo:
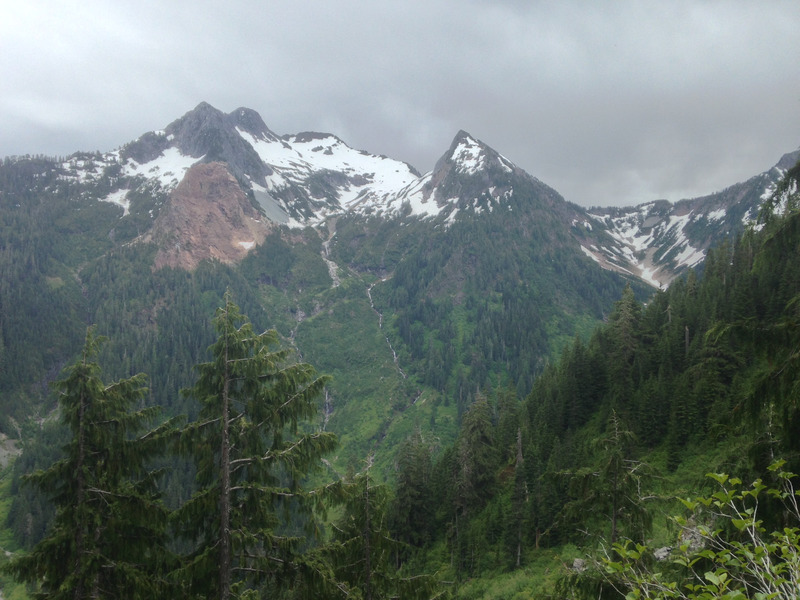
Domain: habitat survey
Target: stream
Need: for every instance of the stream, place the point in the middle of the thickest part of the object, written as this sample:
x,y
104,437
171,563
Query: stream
x,y
380,326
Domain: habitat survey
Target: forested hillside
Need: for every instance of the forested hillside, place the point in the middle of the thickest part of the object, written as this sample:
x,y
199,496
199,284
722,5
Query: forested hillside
x,y
701,378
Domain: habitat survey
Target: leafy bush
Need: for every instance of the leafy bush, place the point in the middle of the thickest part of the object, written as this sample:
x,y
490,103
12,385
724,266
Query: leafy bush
x,y
726,551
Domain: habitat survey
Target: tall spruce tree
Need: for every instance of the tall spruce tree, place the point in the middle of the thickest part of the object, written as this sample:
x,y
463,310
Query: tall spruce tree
x,y
250,455
413,509
107,538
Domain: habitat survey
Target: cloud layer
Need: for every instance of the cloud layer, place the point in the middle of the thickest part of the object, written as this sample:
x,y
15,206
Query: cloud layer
x,y
609,103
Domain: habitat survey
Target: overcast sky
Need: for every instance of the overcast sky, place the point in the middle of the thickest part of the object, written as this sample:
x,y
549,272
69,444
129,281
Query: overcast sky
x,y
610,103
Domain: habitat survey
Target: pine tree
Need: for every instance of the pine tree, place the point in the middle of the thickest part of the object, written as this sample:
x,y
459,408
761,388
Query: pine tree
x,y
107,538
250,455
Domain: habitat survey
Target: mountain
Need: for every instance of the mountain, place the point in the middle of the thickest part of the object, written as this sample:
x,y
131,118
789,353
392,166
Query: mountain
x,y
415,291
304,179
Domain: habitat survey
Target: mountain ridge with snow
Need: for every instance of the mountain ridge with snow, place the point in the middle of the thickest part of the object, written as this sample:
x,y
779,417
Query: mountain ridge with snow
x,y
304,179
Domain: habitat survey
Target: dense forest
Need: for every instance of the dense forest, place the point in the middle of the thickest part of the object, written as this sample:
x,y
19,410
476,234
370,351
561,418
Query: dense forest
x,y
559,477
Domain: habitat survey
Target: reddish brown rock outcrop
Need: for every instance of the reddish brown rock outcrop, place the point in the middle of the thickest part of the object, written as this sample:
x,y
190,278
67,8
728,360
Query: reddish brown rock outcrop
x,y
208,216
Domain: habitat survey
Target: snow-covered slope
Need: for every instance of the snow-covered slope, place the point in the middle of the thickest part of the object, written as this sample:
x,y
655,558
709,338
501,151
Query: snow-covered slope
x,y
659,240
469,178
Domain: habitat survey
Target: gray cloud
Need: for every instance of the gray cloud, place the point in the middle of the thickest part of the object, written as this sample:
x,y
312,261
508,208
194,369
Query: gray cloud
x,y
612,103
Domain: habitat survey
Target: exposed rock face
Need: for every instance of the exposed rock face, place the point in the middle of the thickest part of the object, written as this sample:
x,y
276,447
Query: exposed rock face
x,y
208,216
207,133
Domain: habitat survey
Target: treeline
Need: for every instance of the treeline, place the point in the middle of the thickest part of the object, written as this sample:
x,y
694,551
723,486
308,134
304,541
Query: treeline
x,y
251,526
708,366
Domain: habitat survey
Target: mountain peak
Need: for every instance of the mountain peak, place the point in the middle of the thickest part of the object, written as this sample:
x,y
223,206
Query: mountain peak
x,y
470,156
789,160
205,107
251,122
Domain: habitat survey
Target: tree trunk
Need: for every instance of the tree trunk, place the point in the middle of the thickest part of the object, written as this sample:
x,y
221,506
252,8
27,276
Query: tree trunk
x,y
225,490
80,490
367,550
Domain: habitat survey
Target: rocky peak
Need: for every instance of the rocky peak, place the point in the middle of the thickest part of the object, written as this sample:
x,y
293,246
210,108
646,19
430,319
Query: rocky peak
x,y
197,131
305,137
469,156
251,122
208,133
208,216
470,175
789,160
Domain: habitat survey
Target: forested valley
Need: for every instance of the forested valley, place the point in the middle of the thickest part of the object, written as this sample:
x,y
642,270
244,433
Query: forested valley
x,y
615,463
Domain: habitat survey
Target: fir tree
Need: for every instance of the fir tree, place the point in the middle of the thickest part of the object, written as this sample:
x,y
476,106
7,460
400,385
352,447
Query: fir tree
x,y
107,538
250,456
612,489
362,550
413,508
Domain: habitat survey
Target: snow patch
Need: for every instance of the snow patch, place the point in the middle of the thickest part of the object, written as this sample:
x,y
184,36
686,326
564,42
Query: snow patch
x,y
591,255
690,257
169,168
120,198
469,156
371,180
649,275
451,218
717,215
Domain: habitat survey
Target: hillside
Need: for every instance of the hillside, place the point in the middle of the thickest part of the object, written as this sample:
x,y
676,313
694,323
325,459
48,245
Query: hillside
x,y
702,379
391,281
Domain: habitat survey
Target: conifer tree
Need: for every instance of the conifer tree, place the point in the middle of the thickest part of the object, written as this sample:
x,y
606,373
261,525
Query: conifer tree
x,y
611,489
413,508
107,538
516,518
250,455
362,550
476,458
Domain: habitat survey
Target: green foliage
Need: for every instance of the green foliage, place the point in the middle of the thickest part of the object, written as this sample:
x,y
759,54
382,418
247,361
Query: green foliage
x,y
108,534
362,552
611,488
704,373
727,551
251,456
421,336
412,512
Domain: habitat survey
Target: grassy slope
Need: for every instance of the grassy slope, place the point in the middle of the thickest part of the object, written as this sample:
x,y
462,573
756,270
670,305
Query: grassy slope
x,y
9,589
383,404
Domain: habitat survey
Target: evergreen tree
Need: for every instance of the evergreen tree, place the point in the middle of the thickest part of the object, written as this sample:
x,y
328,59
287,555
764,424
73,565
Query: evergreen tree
x,y
251,456
611,490
624,344
476,458
107,538
362,550
516,517
413,508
